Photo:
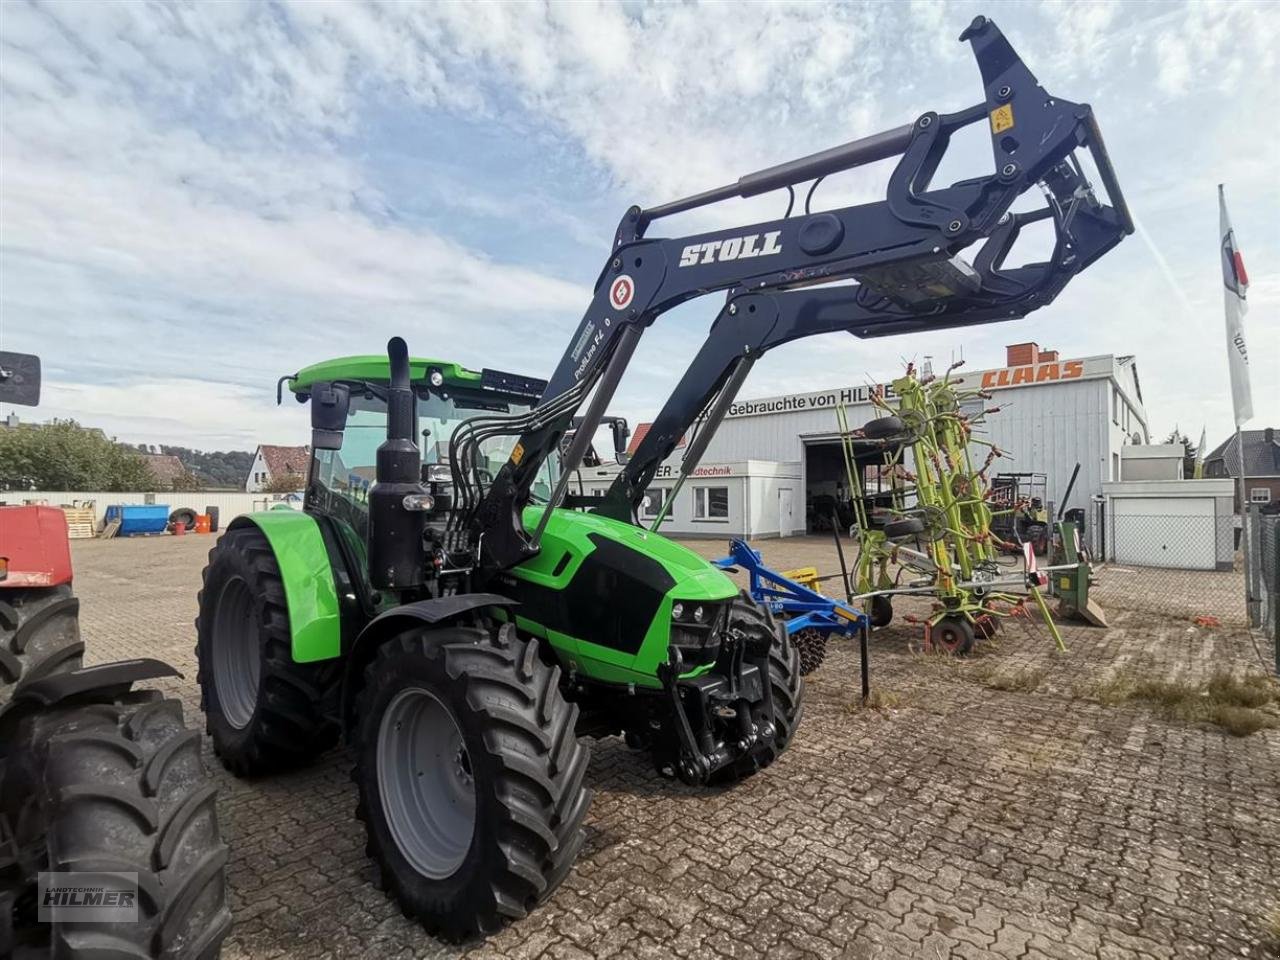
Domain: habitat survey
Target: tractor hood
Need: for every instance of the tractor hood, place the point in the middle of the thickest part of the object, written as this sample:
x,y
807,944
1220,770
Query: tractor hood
x,y
580,534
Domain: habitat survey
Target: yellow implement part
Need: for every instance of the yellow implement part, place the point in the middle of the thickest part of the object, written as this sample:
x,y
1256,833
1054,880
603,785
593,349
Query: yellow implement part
x,y
805,576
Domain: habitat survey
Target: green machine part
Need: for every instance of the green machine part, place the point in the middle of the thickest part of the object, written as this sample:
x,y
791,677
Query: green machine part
x,y
546,584
311,596
1071,586
569,541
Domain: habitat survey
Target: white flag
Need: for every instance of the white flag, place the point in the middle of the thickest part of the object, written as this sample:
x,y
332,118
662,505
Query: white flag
x,y
1235,283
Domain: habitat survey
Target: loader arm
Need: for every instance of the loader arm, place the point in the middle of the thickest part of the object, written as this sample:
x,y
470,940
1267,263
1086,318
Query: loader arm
x,y
903,254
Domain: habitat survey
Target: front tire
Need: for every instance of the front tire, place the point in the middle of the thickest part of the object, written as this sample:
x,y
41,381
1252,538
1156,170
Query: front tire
x,y
263,710
470,776
116,784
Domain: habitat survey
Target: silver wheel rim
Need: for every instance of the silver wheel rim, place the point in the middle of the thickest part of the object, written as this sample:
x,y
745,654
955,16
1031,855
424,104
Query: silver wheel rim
x,y
426,783
237,658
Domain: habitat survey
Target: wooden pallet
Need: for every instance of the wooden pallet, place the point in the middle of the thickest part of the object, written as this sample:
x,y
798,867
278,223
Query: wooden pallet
x,y
110,530
81,522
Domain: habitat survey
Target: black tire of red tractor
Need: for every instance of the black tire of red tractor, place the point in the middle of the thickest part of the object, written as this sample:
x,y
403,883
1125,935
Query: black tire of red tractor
x,y
880,610
786,686
116,784
953,635
811,644
528,766
39,635
882,428
286,727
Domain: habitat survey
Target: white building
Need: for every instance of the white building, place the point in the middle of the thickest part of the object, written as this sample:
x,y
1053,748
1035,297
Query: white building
x,y
772,455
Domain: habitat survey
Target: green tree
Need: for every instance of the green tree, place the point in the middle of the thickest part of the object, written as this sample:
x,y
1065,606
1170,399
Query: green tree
x,y
62,455
1188,452
287,483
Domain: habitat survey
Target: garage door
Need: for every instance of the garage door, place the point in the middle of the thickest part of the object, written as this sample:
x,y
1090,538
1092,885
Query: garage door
x,y
1163,532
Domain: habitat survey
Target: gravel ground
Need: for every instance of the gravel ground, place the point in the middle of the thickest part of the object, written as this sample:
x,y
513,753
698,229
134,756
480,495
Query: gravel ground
x,y
985,808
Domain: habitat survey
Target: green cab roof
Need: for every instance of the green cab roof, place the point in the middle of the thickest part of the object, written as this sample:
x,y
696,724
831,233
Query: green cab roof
x,y
375,368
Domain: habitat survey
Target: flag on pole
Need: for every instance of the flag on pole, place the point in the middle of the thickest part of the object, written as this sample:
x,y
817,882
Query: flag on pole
x,y
1235,283
1199,469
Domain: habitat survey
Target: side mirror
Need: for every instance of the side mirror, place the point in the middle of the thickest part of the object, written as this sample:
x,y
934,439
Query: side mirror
x,y
621,434
19,378
329,405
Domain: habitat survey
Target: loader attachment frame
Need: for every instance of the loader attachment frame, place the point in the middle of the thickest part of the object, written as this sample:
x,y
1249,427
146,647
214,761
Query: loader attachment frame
x,y
789,278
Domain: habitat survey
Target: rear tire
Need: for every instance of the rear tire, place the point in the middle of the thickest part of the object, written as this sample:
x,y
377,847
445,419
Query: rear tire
x,y
263,710
515,761
785,686
39,635
116,784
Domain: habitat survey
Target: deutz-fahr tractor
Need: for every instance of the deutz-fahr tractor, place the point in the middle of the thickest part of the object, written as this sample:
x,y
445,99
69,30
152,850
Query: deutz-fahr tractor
x,y
445,602
97,779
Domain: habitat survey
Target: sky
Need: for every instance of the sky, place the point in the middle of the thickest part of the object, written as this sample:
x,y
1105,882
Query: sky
x,y
197,199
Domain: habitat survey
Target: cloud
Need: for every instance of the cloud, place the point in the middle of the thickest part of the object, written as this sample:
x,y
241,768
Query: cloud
x,y
216,193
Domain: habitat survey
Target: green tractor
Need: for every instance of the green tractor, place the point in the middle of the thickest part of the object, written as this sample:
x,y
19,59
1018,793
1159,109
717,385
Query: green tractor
x,y
445,603
465,709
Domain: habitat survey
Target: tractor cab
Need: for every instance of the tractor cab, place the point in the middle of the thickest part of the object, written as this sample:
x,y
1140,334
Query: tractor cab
x,y
349,424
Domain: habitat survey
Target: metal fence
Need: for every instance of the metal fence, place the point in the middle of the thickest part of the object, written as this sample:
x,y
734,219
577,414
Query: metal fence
x,y
1262,576
1183,566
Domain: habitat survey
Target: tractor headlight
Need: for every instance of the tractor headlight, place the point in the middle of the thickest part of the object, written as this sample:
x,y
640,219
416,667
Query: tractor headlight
x,y
439,473
693,613
436,377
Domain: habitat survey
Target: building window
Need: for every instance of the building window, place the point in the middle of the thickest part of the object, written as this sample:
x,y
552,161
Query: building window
x,y
711,503
1259,494
654,498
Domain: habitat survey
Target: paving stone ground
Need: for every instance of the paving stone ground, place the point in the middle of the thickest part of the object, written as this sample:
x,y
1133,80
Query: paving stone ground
x,y
955,820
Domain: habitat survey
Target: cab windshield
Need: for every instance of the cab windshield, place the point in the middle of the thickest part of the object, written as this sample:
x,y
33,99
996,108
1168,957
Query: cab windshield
x,y
349,472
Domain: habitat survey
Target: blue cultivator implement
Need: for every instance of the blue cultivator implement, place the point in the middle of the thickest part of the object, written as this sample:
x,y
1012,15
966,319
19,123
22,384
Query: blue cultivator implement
x,y
811,618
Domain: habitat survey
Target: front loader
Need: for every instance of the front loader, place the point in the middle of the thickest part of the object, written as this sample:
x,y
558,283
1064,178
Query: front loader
x,y
445,602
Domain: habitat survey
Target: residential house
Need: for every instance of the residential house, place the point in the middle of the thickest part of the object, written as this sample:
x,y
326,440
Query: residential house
x,y
1261,464
271,463
165,468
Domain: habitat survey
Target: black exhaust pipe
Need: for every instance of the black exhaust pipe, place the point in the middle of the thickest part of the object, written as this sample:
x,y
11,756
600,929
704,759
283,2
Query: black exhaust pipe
x,y
397,556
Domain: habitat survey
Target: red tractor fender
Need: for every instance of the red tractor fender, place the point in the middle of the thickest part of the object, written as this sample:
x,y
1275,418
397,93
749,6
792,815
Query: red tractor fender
x,y
34,549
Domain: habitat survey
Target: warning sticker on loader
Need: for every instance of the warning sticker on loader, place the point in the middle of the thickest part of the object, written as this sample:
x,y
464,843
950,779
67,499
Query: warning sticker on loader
x,y
1002,118
621,292
517,453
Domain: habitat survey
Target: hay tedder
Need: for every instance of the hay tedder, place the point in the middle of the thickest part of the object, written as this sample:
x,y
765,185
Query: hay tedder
x,y
466,621
942,519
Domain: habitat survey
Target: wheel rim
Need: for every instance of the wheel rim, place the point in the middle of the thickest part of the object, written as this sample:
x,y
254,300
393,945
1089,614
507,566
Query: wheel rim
x,y
426,783
949,637
237,657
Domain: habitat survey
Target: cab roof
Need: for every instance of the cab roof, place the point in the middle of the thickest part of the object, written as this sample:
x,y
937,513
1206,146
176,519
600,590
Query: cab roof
x,y
375,368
